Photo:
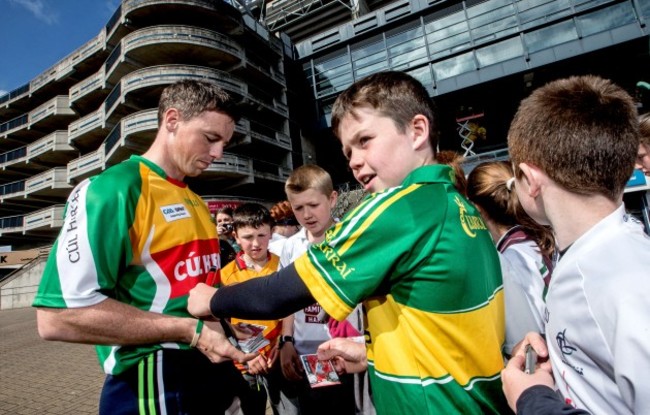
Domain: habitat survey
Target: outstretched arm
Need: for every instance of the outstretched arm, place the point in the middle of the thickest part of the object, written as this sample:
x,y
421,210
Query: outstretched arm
x,y
273,297
112,322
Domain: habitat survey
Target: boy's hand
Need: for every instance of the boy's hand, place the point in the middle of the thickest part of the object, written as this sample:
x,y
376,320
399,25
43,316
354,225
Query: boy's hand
x,y
198,303
536,341
213,344
515,381
347,356
290,362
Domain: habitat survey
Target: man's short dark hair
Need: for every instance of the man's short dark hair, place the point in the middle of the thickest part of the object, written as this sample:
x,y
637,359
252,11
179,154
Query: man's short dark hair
x,y
192,97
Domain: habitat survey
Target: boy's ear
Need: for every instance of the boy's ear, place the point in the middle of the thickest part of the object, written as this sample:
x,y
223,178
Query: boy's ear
x,y
333,197
533,177
420,130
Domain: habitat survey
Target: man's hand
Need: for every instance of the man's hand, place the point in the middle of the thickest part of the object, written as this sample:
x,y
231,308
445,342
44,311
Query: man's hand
x,y
347,356
198,303
290,362
214,344
515,381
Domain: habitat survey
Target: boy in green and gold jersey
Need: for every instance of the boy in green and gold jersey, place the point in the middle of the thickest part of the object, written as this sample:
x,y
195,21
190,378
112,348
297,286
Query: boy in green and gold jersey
x,y
415,252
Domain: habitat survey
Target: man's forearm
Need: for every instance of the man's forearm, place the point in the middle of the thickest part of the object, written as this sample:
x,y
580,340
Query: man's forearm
x,y
273,297
112,323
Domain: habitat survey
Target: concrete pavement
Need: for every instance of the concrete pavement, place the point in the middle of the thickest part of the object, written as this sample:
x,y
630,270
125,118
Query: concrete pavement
x,y
39,377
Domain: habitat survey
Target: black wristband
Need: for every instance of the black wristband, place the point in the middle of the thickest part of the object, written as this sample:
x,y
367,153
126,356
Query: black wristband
x,y
285,339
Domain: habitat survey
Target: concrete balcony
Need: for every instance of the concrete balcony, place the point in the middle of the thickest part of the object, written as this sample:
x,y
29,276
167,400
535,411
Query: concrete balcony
x,y
145,85
53,182
230,166
53,114
132,135
53,149
86,166
90,92
169,44
85,133
12,224
211,14
50,218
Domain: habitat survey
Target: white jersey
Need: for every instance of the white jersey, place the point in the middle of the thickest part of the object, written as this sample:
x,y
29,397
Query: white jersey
x,y
276,243
523,269
521,318
598,329
310,324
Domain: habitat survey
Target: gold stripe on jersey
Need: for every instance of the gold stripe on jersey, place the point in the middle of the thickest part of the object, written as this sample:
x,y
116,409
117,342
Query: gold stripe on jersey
x,y
415,344
316,282
374,215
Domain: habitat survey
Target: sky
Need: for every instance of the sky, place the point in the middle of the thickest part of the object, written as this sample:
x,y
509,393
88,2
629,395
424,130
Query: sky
x,y
36,34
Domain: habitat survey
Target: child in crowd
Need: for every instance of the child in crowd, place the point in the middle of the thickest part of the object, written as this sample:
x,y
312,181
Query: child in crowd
x,y
284,225
225,228
252,230
643,155
311,193
572,144
415,251
525,248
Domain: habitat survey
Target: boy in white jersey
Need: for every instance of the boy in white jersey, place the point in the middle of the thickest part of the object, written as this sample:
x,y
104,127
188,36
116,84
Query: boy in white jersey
x,y
573,143
134,242
311,193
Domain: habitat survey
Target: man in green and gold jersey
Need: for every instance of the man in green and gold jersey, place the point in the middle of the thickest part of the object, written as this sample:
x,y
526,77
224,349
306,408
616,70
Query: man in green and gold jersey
x,y
135,240
415,252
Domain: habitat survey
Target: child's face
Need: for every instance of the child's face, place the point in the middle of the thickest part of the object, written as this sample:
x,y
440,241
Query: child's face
x,y
379,155
313,210
254,241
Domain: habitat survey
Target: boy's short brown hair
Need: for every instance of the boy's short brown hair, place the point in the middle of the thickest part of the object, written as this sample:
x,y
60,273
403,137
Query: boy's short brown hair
x,y
251,214
309,176
581,131
393,94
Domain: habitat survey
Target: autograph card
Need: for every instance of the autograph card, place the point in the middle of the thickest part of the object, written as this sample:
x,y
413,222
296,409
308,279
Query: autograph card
x,y
319,372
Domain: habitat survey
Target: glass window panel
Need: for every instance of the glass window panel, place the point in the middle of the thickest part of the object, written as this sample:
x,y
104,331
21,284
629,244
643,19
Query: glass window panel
x,y
359,51
533,12
495,30
367,70
550,36
581,5
323,66
454,66
442,47
333,85
404,37
451,20
500,52
409,60
644,8
486,7
423,75
605,19
491,15
370,60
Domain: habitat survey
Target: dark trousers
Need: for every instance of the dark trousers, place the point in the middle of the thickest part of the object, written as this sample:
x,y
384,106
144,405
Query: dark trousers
x,y
171,381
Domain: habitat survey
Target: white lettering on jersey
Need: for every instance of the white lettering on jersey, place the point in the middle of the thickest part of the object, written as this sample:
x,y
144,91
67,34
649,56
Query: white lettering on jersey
x,y
195,266
174,212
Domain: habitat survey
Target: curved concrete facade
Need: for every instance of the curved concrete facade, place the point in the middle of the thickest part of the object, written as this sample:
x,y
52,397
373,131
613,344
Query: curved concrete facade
x,y
98,106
